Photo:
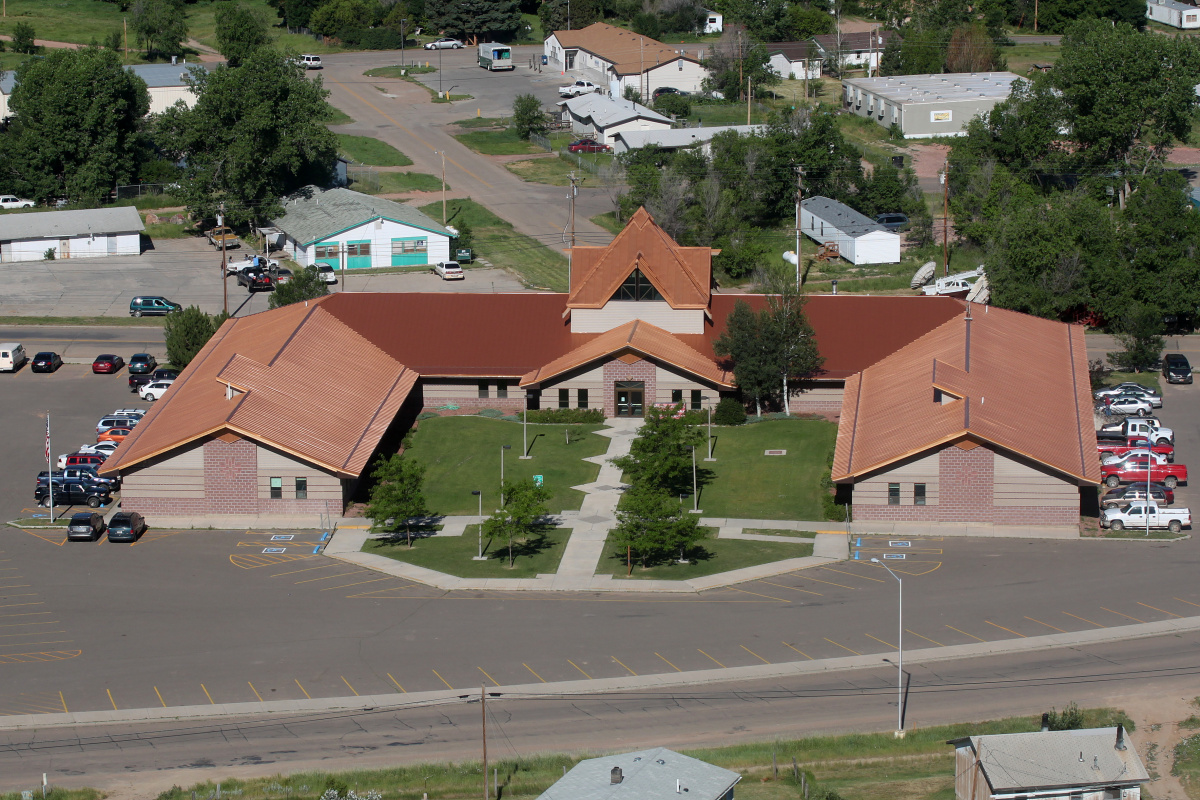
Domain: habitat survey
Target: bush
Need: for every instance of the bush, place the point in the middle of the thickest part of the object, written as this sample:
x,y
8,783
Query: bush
x,y
427,415
1069,719
490,413
730,412
528,117
371,38
675,104
590,416
23,39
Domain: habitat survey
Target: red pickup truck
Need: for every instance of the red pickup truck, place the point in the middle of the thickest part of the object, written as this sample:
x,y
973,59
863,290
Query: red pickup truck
x,y
1120,448
1133,470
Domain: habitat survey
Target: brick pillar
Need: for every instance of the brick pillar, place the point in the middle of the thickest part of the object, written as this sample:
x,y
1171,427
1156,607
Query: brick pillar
x,y
616,370
231,477
966,485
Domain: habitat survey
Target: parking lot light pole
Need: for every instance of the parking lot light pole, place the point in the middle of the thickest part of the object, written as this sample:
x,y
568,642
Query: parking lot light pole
x,y
525,434
503,447
899,651
695,494
479,494
403,36
709,457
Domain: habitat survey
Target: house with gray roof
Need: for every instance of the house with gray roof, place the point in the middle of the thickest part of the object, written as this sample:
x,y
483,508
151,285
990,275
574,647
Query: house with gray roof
x,y
351,230
860,239
602,117
1090,764
166,83
658,774
676,138
87,233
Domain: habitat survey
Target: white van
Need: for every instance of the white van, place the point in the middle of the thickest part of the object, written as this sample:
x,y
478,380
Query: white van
x,y
12,356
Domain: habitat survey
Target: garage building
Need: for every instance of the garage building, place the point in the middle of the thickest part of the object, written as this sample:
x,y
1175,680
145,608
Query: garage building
x,y
860,239
87,233
927,105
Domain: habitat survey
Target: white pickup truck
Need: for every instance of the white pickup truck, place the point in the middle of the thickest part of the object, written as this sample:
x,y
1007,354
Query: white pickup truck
x,y
1148,427
1133,517
577,88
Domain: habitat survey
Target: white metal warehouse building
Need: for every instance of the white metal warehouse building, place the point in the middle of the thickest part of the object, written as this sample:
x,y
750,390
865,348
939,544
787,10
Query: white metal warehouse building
x,y
87,233
927,105
860,239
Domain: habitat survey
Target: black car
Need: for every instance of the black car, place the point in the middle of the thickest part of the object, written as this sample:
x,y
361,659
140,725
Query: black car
x,y
46,362
126,526
1175,368
660,91
86,525
1137,491
255,279
137,381
165,374
142,363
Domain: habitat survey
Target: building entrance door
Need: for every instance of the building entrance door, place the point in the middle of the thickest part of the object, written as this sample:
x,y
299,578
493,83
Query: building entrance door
x,y
630,398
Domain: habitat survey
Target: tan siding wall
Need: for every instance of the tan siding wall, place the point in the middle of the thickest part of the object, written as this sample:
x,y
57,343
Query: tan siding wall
x,y
181,475
616,313
592,380
434,391
666,380
874,490
273,464
1019,484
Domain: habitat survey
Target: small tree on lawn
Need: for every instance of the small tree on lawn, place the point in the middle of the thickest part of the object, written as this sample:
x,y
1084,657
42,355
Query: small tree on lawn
x,y
794,345
1140,333
652,524
186,332
744,342
23,39
527,118
660,458
522,515
306,284
396,495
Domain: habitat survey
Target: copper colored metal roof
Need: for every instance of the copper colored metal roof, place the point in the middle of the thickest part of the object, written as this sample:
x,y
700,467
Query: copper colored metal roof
x,y
296,379
638,337
1019,383
629,52
682,275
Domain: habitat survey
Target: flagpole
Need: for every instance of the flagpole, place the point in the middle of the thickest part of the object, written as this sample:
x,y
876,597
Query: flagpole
x,y
49,469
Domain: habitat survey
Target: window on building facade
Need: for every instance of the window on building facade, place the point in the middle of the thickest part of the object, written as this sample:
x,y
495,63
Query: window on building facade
x,y
358,248
501,390
918,494
276,488
564,398
327,251
637,287
893,494
404,246
677,395
582,398
301,488
697,399
483,390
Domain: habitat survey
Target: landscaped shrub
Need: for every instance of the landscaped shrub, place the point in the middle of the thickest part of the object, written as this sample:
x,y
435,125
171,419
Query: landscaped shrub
x,y
370,38
491,413
427,415
675,104
730,412
589,416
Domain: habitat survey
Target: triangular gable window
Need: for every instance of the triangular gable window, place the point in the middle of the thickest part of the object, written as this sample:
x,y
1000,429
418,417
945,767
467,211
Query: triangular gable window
x,y
637,287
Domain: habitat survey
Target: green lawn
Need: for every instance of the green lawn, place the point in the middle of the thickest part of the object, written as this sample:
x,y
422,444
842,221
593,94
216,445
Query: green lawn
x,y
713,555
550,170
1022,57
462,454
398,72
539,265
1144,378
748,484
482,122
608,221
778,532
337,116
370,151
498,143
167,230
454,555
711,114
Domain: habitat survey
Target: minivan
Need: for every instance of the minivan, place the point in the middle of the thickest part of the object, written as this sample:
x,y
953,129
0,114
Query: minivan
x,y
12,356
1176,369
139,306
113,421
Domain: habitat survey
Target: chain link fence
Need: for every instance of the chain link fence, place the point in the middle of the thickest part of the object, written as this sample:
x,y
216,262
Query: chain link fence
x,y
362,178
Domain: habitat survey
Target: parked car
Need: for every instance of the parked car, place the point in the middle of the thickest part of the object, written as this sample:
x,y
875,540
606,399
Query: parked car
x,y
255,280
107,364
151,305
136,382
132,413
92,460
587,146
155,390
86,525
1128,387
72,493
103,448
1145,515
1139,470
1122,495
309,61
114,435
222,235
1149,427
1119,447
578,88
12,356
165,374
234,266
12,201
1137,453
660,91
1129,404
140,363
1176,369
444,43
893,222
115,421
46,361
126,526
449,271
281,275
326,273
1154,400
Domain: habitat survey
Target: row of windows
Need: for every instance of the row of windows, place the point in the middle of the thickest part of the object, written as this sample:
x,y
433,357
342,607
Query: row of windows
x,y
894,494
697,398
564,398
399,247
301,487
501,391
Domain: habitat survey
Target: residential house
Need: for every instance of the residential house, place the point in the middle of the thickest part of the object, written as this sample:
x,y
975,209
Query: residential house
x,y
927,105
1173,13
714,22
350,230
1089,764
676,138
862,50
860,239
166,84
603,117
620,59
70,234
795,60
658,774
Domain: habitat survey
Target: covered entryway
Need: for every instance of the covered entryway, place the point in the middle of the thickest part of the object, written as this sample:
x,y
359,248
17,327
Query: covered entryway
x,y
631,398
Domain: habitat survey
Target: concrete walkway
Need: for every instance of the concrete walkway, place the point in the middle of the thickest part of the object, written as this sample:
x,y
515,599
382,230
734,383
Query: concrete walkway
x,y
980,529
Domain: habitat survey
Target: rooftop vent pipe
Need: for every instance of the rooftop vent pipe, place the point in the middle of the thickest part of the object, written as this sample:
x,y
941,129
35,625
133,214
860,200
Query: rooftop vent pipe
x,y
616,777
1121,738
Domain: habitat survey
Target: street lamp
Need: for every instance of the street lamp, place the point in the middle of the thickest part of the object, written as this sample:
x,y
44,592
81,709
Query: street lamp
x,y
695,496
525,434
710,458
503,447
900,652
403,36
479,494
442,153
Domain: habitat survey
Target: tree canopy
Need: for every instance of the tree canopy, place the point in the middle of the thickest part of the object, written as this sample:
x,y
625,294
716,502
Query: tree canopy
x,y
653,526
240,31
397,497
660,458
482,19
523,515
306,284
160,26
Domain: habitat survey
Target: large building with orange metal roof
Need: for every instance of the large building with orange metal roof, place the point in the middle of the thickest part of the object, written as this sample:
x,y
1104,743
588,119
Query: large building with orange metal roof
x,y
280,414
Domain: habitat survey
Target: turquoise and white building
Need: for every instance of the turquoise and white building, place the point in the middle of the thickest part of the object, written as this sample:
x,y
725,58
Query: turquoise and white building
x,y
352,230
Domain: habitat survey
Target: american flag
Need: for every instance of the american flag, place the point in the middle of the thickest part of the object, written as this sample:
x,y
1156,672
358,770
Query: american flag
x,y
47,438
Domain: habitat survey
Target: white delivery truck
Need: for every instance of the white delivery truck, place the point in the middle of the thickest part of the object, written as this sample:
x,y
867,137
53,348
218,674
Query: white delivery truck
x,y
495,57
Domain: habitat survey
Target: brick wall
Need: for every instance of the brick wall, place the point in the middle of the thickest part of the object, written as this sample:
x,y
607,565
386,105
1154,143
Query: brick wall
x,y
615,370
231,477
473,405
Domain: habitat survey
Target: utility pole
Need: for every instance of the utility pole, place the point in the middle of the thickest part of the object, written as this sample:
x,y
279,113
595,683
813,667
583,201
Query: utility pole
x,y
748,96
483,710
574,191
946,217
799,200
224,264
125,26
1035,15
442,153
403,36
740,58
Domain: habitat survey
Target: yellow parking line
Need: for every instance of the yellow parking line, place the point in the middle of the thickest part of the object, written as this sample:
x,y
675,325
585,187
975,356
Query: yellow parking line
x,y
964,633
306,694
162,702
881,641
306,569
756,655
793,588
1147,605
710,658
64,703
330,577
489,677
351,688
1119,614
622,663
1001,627
1189,602
831,583
539,677
853,575
831,641
1088,621
206,694
110,699
1047,624
256,694
440,678
801,652
672,666
398,686
756,594
360,583
576,666
926,638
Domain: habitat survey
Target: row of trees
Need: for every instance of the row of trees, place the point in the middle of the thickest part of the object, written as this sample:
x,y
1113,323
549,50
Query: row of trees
x,y
1052,16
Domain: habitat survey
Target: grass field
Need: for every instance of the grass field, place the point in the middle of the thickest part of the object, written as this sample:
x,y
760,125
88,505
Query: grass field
x,y
337,116
746,483
482,122
538,265
1022,57
398,72
1144,378
167,230
552,170
711,114
462,454
1187,765
454,555
371,151
711,556
608,221
498,143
